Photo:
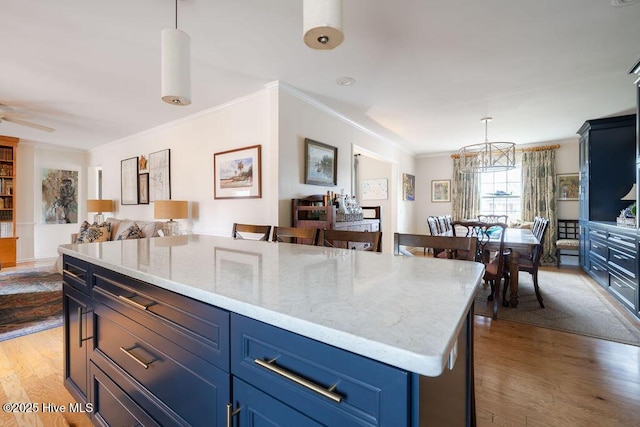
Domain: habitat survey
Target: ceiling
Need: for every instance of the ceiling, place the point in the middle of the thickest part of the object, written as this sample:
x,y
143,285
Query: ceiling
x,y
426,71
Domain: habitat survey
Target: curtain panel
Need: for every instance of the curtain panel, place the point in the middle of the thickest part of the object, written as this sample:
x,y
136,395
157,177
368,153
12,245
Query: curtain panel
x,y
465,193
538,194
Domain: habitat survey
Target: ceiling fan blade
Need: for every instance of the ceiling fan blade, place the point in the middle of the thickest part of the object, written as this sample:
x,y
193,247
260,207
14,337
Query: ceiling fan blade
x,y
24,123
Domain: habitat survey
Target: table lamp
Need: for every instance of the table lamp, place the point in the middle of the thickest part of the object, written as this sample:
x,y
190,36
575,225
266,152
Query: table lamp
x,y
99,206
170,209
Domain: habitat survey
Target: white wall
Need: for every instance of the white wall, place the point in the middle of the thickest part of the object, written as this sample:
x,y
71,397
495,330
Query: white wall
x,y
36,239
302,117
193,142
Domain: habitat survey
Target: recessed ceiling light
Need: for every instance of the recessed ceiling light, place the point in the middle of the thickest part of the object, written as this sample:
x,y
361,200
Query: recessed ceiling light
x,y
623,2
345,81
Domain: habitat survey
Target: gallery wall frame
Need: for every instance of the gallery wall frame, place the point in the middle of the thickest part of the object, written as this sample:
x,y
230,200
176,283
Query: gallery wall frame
x,y
441,190
237,173
320,163
160,175
408,187
143,188
567,186
129,181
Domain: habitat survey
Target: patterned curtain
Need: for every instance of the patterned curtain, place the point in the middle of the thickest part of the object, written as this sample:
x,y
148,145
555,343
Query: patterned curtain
x,y
538,193
465,193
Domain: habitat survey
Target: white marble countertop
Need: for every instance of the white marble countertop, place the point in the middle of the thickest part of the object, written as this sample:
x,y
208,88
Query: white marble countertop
x,y
403,311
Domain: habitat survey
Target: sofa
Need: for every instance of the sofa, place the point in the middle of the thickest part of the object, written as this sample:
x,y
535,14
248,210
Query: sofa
x,y
116,229
111,230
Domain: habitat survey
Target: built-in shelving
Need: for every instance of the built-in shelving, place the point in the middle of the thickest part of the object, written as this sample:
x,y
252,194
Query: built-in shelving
x,y
8,162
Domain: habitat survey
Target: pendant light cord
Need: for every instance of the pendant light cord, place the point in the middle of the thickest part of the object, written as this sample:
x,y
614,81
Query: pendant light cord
x,y
176,14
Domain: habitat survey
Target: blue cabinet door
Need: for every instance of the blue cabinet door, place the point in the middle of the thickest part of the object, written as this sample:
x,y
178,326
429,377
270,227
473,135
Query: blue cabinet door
x,y
258,409
76,340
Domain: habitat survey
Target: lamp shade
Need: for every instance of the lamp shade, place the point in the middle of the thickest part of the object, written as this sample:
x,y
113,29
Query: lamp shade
x,y
631,195
176,66
170,209
99,205
322,21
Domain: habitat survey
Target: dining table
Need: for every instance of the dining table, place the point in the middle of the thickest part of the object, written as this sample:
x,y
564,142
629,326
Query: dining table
x,y
517,242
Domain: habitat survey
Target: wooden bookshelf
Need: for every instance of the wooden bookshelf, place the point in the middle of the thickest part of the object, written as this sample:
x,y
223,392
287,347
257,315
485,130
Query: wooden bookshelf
x,y
8,168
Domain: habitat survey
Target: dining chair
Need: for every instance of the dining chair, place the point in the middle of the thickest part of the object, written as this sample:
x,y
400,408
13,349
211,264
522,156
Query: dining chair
x,y
492,219
487,233
442,224
362,240
531,262
307,236
434,226
250,231
454,247
568,239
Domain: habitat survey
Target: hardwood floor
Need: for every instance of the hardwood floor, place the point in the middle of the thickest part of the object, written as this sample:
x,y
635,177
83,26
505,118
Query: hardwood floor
x,y
525,376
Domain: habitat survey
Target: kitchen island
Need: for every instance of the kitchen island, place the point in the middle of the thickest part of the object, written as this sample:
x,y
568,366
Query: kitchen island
x,y
261,330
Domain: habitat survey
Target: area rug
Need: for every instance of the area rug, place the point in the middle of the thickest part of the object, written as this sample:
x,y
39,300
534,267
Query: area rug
x,y
572,304
30,301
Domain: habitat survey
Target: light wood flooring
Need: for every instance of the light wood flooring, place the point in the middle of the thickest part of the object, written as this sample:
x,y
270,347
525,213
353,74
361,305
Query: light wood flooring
x,y
525,376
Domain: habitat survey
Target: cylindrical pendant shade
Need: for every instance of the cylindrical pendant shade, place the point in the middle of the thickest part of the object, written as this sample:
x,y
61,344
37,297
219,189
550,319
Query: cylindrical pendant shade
x,y
322,21
94,205
170,209
176,66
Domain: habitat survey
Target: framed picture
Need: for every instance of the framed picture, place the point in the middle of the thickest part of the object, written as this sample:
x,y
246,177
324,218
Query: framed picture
x,y
59,196
129,181
160,175
237,173
568,186
441,190
143,188
408,187
320,163
374,189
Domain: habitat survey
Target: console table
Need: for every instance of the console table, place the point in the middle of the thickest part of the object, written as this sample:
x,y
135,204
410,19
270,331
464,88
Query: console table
x,y
216,331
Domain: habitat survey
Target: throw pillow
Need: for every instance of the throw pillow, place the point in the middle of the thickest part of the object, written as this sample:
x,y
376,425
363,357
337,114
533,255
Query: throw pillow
x,y
132,232
94,232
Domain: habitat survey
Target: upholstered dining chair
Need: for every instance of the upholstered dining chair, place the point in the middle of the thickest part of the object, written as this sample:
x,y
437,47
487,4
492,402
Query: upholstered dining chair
x,y
530,262
307,236
363,240
250,231
488,234
450,245
434,226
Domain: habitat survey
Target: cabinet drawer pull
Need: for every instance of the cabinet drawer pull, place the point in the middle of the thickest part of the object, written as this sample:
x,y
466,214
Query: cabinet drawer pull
x,y
81,339
129,301
142,363
231,413
326,392
75,276
620,257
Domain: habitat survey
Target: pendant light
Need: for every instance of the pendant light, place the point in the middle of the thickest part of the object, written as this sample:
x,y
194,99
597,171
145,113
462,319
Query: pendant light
x,y
488,156
322,23
175,57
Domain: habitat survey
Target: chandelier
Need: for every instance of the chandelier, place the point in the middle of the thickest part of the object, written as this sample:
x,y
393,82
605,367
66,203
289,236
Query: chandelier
x,y
488,156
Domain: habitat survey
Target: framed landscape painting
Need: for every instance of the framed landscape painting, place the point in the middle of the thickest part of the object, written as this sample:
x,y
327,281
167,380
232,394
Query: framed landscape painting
x,y
237,173
320,163
441,190
568,186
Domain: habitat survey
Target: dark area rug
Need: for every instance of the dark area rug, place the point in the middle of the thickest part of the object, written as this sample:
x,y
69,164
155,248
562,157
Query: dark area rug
x,y
30,301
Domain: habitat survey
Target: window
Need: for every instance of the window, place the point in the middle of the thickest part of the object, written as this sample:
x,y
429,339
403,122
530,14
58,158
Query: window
x,y
501,193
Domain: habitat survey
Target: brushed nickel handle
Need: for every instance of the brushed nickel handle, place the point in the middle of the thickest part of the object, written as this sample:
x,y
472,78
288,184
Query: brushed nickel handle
x,y
80,327
69,273
231,413
142,363
325,392
620,257
129,301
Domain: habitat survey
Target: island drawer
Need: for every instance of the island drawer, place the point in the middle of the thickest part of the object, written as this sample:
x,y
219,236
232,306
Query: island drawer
x,y
188,387
366,391
75,272
196,326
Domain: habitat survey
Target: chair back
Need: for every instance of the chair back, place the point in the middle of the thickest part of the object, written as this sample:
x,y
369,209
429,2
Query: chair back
x,y
362,240
492,219
443,225
452,245
539,250
539,227
250,231
434,226
486,233
307,236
